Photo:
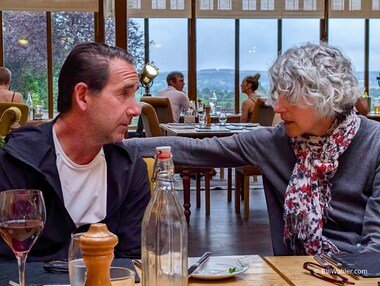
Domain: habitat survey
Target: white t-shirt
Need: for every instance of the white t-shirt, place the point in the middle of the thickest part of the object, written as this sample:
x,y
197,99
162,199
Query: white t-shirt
x,y
178,100
84,187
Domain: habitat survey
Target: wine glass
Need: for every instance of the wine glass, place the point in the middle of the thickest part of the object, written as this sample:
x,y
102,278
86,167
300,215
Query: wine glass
x,y
22,218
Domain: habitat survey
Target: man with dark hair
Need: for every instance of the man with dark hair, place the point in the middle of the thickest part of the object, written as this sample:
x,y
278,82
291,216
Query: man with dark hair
x,y
178,99
78,161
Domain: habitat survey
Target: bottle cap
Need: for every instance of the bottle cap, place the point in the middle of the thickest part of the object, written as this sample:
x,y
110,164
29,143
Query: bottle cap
x,y
163,149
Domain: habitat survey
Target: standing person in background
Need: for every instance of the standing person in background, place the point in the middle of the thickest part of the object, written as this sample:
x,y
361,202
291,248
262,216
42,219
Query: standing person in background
x,y
5,82
78,161
178,98
249,86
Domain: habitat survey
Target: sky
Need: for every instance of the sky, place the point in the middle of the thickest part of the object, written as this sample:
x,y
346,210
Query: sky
x,y
258,41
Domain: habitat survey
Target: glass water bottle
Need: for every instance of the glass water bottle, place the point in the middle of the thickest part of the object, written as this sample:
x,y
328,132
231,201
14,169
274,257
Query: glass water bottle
x,y
164,229
213,102
29,102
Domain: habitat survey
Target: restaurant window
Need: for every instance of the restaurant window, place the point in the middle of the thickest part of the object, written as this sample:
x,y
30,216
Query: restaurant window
x,y
258,50
216,61
168,49
109,31
25,53
299,31
135,41
68,30
374,57
351,44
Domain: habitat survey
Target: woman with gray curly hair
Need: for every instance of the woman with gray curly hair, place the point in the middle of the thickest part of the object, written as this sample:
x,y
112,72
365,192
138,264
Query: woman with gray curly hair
x,y
317,200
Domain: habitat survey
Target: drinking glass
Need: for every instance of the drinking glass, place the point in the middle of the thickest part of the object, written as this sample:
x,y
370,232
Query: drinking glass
x,y
222,118
22,218
376,105
202,120
77,267
121,276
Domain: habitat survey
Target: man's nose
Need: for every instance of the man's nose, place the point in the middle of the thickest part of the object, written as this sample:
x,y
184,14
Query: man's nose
x,y
134,109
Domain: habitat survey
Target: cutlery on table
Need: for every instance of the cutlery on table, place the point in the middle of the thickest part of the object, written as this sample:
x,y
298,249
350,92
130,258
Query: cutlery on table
x,y
191,269
323,262
199,262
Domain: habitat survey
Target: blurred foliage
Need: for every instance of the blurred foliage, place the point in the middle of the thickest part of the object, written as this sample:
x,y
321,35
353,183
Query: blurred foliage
x,y
28,62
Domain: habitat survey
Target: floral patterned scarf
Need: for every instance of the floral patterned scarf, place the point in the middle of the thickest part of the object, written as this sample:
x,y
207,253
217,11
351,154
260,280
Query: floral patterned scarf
x,y
307,197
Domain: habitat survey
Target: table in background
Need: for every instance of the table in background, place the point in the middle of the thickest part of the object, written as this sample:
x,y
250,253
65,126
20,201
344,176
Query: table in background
x,y
188,130
290,268
216,130
231,118
373,116
36,122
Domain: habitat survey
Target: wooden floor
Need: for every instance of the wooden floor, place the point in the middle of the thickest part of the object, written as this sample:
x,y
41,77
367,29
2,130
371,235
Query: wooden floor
x,y
224,232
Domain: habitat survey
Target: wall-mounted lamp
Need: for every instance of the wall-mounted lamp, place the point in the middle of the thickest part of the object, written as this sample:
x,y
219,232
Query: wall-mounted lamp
x,y
146,77
23,41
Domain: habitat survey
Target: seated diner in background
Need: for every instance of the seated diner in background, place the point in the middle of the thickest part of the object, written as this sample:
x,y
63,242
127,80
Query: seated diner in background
x,y
317,197
5,82
78,161
249,86
362,106
178,98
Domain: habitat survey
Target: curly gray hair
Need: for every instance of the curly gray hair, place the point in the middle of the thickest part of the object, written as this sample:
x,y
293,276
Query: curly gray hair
x,y
315,75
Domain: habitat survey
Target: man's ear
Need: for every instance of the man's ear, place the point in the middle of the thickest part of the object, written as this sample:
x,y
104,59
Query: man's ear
x,y
80,94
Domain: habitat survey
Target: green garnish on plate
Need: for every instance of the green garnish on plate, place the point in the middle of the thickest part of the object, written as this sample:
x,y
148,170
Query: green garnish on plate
x,y
231,269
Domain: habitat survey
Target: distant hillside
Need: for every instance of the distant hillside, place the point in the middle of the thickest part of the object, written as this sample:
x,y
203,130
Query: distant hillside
x,y
209,79
223,80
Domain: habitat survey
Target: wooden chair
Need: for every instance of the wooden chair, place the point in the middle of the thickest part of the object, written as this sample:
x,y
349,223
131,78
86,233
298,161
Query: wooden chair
x,y
150,120
265,116
12,116
152,129
262,113
162,106
150,165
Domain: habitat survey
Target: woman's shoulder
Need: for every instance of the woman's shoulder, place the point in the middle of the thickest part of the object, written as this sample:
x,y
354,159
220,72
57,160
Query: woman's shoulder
x,y
369,125
10,96
368,133
248,102
17,97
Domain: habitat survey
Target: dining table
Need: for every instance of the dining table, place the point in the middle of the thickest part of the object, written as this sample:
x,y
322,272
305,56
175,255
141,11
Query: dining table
x,y
258,273
215,129
196,131
374,116
266,271
290,268
231,118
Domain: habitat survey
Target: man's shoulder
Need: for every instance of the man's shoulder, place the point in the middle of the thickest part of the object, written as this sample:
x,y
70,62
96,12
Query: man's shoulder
x,y
122,151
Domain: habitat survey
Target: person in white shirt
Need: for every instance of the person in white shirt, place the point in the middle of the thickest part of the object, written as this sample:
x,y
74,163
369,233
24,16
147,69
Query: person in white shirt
x,y
178,98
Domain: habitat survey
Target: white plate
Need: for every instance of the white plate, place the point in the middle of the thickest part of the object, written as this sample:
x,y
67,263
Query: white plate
x,y
217,268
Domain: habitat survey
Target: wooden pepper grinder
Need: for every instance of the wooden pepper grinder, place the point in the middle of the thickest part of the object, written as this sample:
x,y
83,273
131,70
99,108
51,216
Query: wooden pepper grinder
x,y
208,115
97,246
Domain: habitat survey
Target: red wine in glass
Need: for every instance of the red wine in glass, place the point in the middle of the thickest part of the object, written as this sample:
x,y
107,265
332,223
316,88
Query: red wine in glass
x,y
20,235
22,219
